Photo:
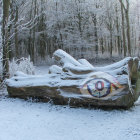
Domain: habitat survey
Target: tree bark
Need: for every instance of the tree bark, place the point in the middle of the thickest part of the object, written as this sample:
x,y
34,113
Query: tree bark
x,y
5,38
123,31
118,32
128,28
16,34
126,9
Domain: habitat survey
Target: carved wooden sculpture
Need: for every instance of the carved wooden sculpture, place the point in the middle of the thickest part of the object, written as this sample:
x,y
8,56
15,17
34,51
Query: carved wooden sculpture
x,y
78,83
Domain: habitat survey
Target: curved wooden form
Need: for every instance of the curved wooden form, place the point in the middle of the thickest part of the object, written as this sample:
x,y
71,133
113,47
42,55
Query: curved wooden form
x,y
80,84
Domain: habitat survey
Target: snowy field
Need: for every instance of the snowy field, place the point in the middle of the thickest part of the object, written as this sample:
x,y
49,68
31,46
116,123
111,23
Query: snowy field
x,y
25,120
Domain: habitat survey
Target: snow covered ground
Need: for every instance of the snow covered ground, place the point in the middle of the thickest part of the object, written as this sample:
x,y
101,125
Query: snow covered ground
x,y
25,120
22,120
41,70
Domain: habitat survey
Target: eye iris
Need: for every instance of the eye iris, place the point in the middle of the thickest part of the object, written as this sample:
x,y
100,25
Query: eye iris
x,y
99,85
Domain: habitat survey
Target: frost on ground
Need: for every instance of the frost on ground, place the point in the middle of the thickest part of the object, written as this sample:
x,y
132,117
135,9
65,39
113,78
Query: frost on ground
x,y
22,120
25,120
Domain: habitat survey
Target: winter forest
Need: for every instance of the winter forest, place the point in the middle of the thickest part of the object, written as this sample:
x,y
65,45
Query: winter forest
x,y
84,28
69,69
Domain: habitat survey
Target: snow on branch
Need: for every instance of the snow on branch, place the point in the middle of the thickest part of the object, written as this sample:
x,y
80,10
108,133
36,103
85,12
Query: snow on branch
x,y
24,65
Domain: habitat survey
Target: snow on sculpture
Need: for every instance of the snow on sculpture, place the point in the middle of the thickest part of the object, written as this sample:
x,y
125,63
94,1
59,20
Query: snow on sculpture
x,y
78,83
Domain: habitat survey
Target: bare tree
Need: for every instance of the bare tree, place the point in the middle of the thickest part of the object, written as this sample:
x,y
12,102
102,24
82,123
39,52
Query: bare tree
x,y
126,10
81,27
5,38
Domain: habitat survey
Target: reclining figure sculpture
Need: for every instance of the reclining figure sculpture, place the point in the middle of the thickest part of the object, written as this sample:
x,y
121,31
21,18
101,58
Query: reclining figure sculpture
x,y
80,84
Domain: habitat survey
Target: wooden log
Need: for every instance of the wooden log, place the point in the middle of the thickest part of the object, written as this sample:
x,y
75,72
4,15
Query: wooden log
x,y
70,64
115,66
62,58
85,63
82,66
44,93
78,83
133,70
62,92
55,69
76,69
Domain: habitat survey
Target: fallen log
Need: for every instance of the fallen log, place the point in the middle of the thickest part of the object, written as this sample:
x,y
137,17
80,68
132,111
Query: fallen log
x,y
80,84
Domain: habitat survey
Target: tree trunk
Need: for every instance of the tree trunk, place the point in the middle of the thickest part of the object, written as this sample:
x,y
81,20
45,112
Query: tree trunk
x,y
96,36
34,32
123,31
126,9
16,34
128,28
111,44
75,89
118,32
5,38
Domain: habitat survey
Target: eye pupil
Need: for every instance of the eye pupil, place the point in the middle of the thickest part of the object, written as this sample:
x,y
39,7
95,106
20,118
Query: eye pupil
x,y
99,85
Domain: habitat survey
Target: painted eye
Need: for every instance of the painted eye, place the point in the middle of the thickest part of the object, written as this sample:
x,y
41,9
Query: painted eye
x,y
99,87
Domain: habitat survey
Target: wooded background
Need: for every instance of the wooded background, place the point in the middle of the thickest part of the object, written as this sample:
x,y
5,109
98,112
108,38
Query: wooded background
x,y
84,28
